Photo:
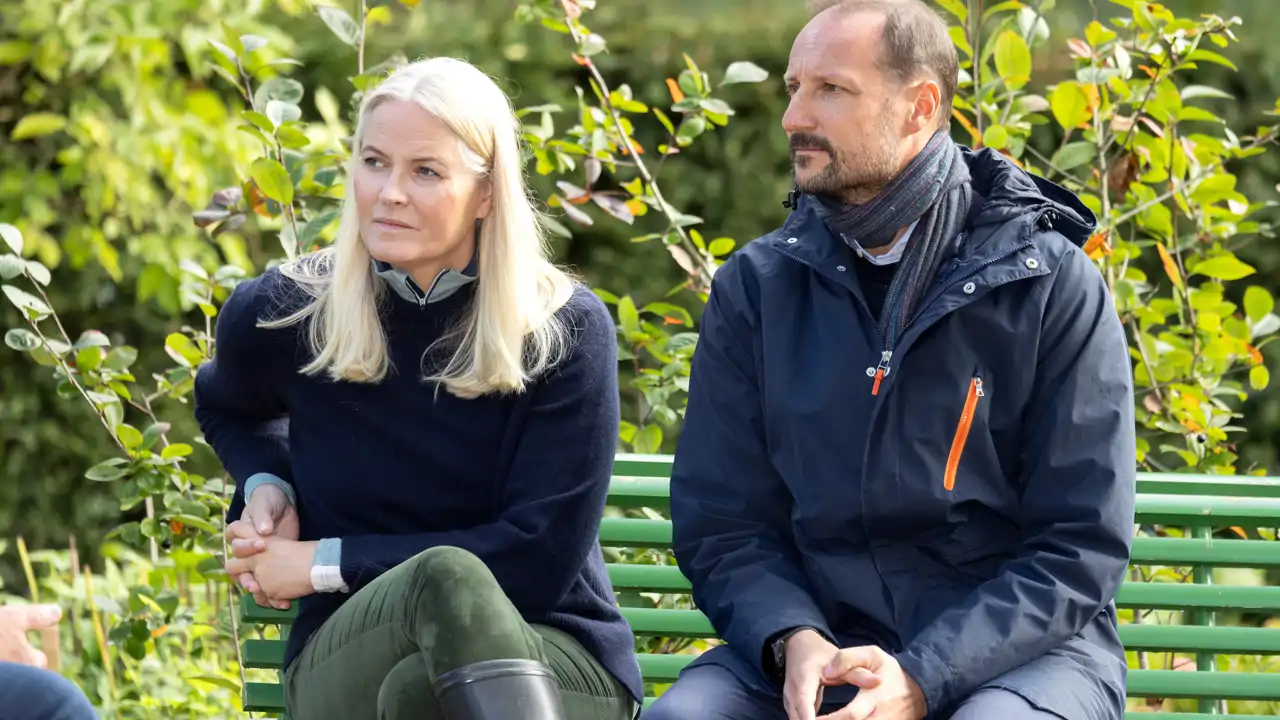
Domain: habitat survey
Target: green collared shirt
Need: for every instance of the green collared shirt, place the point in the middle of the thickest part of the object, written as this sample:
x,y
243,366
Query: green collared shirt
x,y
446,283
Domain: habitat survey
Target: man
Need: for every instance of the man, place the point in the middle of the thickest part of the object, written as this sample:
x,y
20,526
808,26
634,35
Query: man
x,y
905,485
27,690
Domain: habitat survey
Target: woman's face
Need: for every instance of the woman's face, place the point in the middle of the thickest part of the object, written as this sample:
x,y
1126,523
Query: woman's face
x,y
416,199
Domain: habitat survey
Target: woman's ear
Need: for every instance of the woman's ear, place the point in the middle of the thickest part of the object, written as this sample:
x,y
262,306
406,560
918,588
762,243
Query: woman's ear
x,y
485,206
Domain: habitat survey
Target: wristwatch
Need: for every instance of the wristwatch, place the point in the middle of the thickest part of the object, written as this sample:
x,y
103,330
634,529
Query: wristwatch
x,y
780,649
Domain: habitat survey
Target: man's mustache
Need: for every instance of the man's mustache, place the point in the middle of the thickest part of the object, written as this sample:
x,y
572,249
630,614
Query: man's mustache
x,y
806,141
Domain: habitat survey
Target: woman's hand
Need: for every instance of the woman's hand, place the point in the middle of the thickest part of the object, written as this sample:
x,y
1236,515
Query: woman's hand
x,y
268,512
281,567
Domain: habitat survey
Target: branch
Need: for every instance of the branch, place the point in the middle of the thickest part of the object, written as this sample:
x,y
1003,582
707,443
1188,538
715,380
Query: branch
x,y
1179,187
704,270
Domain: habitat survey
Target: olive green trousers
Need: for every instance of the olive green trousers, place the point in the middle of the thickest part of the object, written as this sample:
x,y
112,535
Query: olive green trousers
x,y
378,655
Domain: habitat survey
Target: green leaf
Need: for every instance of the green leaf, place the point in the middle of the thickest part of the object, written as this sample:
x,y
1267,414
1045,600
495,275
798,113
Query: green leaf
x,y
1259,377
1096,34
721,246
692,127
592,44
718,107
88,359
1013,59
1223,267
153,433
1192,92
628,317
26,301
649,439
21,340
955,7
292,137
340,23
1070,105
38,272
216,681
286,90
121,358
280,113
316,225
176,450
129,435
37,125
107,470
664,309
91,338
273,180
181,349
744,72
11,237
1073,155
11,266
1211,56
1258,303
996,137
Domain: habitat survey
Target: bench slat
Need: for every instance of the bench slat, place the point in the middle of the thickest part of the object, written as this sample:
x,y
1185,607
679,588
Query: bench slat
x,y
264,654
263,697
1145,595
637,533
1200,511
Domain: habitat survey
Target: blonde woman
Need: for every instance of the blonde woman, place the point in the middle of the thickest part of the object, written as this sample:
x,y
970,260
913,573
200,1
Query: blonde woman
x,y
421,422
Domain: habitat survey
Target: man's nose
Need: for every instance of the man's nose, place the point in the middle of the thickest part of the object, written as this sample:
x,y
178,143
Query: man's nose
x,y
798,118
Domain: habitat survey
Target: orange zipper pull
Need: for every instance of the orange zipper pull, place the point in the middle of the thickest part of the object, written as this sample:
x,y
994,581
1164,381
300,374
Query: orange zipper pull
x,y
881,370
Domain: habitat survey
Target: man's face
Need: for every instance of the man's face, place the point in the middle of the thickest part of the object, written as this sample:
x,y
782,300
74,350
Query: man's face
x,y
844,121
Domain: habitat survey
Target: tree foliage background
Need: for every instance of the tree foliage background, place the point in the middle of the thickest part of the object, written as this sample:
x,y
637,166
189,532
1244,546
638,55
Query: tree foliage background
x,y
153,153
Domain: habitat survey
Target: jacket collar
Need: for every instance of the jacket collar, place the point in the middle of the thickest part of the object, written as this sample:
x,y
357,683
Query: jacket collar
x,y
1009,205
446,283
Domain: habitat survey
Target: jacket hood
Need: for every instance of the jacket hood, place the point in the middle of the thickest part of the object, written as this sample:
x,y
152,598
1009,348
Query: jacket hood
x,y
1007,192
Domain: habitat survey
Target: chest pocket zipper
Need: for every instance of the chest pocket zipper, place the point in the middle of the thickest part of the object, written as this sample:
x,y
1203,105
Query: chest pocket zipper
x,y
962,432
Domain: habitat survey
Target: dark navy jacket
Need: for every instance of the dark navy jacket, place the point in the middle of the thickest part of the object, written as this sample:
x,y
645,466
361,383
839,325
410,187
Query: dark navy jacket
x,y
973,518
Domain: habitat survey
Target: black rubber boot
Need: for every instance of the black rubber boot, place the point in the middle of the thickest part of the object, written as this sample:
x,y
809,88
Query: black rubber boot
x,y
500,690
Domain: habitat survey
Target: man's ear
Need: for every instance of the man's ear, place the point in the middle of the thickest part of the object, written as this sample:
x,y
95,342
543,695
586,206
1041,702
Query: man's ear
x,y
926,102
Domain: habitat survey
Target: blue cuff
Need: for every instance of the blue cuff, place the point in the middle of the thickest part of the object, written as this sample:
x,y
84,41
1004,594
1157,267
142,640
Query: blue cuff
x,y
326,568
259,479
328,553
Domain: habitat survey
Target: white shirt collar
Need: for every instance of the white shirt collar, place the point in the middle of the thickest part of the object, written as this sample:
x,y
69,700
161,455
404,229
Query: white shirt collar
x,y
895,252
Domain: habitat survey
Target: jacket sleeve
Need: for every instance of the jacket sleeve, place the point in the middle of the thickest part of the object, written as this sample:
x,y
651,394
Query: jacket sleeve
x,y
1078,485
238,403
730,510
555,491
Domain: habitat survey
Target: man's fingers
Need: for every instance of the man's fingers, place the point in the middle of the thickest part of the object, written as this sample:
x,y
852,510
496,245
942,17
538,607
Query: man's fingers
x,y
36,658
802,701
860,677
249,583
869,657
244,547
280,604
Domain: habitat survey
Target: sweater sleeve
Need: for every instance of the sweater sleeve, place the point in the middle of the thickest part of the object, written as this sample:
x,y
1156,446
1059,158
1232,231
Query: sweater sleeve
x,y
238,402
557,483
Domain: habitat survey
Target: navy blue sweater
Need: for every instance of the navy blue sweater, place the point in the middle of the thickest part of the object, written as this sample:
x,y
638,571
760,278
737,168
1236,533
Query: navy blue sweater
x,y
396,468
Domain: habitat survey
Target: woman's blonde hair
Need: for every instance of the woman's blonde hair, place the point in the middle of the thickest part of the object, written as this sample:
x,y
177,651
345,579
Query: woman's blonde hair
x,y
510,332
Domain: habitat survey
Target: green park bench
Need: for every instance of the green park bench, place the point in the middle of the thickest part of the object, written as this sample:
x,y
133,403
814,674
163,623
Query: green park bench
x,y
1171,573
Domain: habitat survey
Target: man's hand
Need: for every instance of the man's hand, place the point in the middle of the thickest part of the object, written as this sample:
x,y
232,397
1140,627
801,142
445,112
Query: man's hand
x,y
807,654
281,568
885,691
268,512
15,622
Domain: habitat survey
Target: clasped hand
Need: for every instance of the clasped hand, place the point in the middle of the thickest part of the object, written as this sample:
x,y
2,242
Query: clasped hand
x,y
885,692
267,559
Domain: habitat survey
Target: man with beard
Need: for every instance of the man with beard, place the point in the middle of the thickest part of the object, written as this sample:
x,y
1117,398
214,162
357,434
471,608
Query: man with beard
x,y
905,485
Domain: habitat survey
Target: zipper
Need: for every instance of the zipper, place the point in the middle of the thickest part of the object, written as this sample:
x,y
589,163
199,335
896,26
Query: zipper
x,y
417,292
962,432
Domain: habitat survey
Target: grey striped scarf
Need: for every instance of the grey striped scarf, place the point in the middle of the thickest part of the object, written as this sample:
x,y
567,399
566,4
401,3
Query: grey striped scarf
x,y
934,189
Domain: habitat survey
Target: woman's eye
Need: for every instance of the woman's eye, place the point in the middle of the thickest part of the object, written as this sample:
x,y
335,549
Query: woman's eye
x,y
425,172
371,162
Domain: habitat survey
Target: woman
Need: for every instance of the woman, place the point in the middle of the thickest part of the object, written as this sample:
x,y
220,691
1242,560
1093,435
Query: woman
x,y
423,419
